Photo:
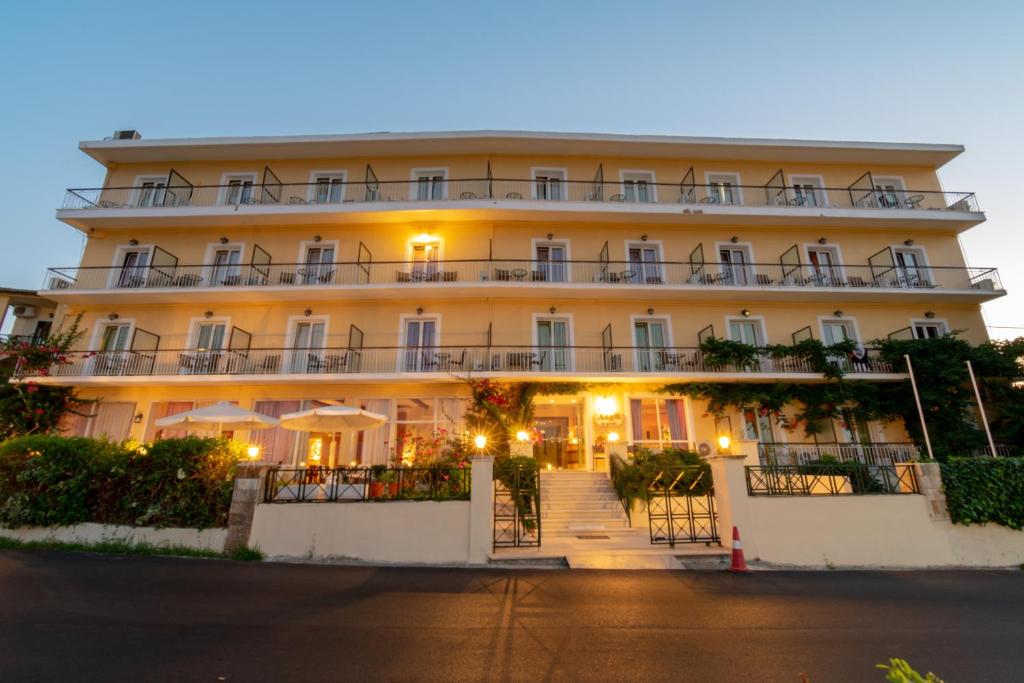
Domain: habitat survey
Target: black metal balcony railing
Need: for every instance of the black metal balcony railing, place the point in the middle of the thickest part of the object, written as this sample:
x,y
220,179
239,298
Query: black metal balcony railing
x,y
838,479
495,189
871,454
451,273
440,360
318,484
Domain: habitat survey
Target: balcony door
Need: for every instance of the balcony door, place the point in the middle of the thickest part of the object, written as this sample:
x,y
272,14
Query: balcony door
x,y
910,267
549,184
758,425
113,351
823,266
226,266
207,349
308,346
420,349
736,269
425,258
645,263
429,185
328,188
890,192
238,190
836,332
638,186
152,192
551,262
746,332
553,352
651,339
134,265
722,188
319,266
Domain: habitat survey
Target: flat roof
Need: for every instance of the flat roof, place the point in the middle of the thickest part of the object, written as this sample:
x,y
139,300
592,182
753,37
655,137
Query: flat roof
x,y
509,142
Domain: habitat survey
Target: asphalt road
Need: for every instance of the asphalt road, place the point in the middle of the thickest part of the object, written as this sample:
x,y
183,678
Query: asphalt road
x,y
83,617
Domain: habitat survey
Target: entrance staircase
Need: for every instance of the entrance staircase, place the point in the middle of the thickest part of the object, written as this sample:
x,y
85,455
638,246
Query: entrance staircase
x,y
574,504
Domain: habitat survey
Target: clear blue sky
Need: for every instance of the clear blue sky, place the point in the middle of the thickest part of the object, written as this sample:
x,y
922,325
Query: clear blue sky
x,y
930,71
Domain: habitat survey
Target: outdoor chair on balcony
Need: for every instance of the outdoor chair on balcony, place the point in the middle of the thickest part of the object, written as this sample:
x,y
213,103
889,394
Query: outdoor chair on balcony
x,y
856,281
199,363
296,200
914,201
328,364
403,276
187,280
503,274
108,204
467,195
449,276
617,198
513,195
763,280
670,361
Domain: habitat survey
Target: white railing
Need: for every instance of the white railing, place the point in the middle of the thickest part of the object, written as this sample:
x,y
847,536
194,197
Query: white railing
x,y
872,454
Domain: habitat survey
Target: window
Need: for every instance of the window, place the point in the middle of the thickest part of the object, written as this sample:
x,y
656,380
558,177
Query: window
x,y
890,192
421,337
318,265
638,186
277,444
927,329
723,188
910,267
651,339
151,192
551,262
207,346
209,336
113,346
238,188
226,269
746,331
837,331
644,263
115,337
548,183
422,418
553,354
658,422
106,420
824,266
308,339
134,264
429,184
735,263
757,424
328,188
807,191
853,427
425,257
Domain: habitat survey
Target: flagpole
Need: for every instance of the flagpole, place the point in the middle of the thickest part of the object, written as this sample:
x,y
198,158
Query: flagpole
x,y
981,408
920,410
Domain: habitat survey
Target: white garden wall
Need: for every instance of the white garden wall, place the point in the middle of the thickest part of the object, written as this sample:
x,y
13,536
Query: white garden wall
x,y
207,539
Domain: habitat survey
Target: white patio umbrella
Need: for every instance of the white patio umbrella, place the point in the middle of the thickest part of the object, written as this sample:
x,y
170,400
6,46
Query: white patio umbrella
x,y
332,419
220,417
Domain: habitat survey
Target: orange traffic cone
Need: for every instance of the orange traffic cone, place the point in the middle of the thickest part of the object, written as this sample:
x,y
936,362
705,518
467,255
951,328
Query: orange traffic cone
x,y
739,564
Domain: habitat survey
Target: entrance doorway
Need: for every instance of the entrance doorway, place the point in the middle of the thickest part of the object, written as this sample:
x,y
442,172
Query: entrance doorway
x,y
560,444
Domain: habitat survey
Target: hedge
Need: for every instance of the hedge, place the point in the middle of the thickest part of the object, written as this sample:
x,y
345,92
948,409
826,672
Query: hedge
x,y
54,480
980,490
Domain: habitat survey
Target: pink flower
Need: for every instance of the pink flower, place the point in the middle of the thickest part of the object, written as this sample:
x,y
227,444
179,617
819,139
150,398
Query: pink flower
x,y
32,388
39,411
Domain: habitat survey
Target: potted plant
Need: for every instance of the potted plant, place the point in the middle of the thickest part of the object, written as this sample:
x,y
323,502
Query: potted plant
x,y
383,482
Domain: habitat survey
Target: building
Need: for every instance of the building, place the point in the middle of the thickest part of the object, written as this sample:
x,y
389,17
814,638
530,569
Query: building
x,y
384,270
33,315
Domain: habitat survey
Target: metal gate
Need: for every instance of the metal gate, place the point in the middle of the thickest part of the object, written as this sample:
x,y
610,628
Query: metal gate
x,y
516,506
681,507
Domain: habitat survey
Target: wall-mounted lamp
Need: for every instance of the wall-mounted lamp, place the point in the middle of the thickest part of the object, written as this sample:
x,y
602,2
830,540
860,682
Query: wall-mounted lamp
x,y
822,240
317,238
137,419
643,238
745,312
552,310
929,314
551,235
837,313
734,239
208,314
134,242
112,316
419,310
650,310
909,243
308,312
223,240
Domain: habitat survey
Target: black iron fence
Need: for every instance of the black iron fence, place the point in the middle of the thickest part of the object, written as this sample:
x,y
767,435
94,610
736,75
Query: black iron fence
x,y
366,484
681,506
516,506
832,479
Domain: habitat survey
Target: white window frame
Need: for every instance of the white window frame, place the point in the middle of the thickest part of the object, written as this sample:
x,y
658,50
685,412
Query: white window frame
x,y
414,179
211,254
570,336
410,251
640,244
139,180
922,255
669,335
292,333
750,266
341,174
564,171
839,263
691,441
403,318
100,325
895,180
193,331
226,178
305,246
737,187
652,184
545,242
118,262
941,322
759,319
819,188
852,321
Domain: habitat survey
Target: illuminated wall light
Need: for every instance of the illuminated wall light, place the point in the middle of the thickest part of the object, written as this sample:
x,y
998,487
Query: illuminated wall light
x,y
480,441
521,435
724,442
253,452
613,437
605,405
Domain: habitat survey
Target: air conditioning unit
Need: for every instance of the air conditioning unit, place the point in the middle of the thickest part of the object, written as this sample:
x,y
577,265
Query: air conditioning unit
x,y
127,135
704,448
24,311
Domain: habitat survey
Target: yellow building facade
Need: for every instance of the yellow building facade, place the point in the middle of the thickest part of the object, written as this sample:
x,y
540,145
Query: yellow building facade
x,y
387,270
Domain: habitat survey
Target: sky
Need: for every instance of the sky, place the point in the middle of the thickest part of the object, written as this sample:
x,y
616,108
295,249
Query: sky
x,y
902,71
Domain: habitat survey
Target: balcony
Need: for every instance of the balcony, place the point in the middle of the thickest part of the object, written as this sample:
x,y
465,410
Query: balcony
x,y
178,203
434,364
611,280
871,454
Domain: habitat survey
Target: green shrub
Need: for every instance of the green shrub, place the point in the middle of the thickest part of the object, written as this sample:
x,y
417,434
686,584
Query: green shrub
x,y
53,480
981,490
859,474
685,470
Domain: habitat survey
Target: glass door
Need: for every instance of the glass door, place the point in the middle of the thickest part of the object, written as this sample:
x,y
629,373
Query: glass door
x,y
429,186
425,261
745,331
133,268
208,348
553,345
650,345
548,186
551,264
909,267
420,345
113,353
823,267
239,191
835,332
319,268
735,267
152,193
644,262
558,429
328,190
307,347
226,269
